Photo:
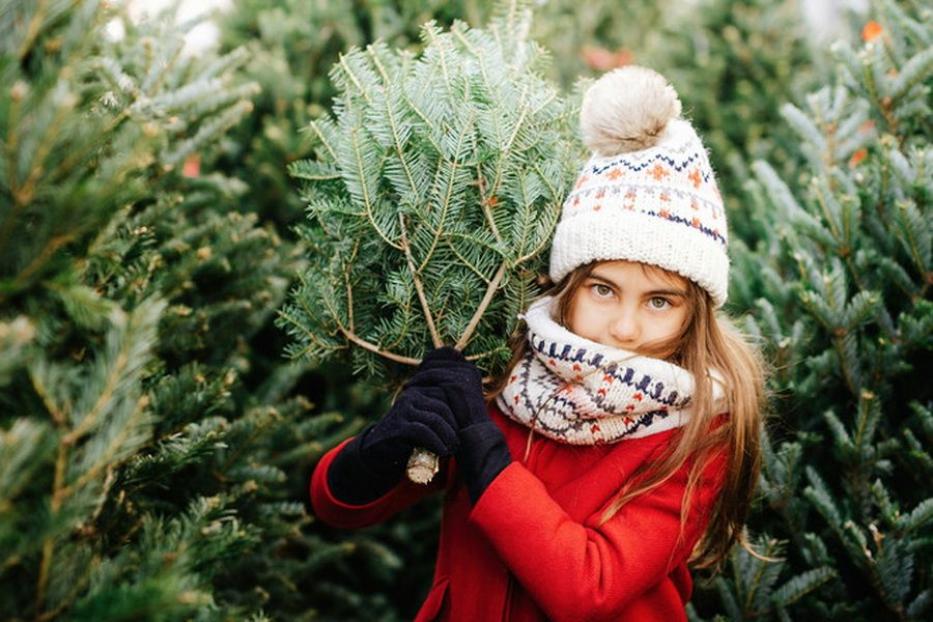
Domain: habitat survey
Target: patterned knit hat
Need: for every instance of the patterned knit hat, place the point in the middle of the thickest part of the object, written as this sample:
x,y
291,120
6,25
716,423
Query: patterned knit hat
x,y
648,193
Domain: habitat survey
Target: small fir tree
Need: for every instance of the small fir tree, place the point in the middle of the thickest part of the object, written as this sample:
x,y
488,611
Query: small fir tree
x,y
433,195
138,456
840,283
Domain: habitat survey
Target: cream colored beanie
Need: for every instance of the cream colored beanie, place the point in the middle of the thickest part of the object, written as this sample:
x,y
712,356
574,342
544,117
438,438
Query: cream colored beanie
x,y
648,192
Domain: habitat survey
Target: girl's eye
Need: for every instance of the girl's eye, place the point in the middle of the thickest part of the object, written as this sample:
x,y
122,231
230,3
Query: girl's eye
x,y
602,291
659,303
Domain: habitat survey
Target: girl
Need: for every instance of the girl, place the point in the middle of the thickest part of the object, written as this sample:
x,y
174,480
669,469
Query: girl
x,y
623,441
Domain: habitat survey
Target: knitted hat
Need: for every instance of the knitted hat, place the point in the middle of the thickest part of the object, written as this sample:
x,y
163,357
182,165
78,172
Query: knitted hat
x,y
647,193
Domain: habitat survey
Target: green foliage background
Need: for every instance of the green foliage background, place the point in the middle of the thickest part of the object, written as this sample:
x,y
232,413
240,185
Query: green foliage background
x,y
155,442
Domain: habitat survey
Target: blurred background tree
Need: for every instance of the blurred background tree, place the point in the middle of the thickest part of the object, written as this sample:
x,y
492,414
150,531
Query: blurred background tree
x,y
838,283
146,461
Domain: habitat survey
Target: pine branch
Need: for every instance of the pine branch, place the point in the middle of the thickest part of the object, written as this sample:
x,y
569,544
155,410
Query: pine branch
x,y
415,145
428,316
405,360
447,196
477,316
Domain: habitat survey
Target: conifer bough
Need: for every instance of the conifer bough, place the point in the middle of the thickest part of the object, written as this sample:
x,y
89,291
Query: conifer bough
x,y
433,194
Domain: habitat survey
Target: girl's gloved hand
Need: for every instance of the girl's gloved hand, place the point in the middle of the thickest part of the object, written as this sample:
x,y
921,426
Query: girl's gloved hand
x,y
419,418
483,452
373,463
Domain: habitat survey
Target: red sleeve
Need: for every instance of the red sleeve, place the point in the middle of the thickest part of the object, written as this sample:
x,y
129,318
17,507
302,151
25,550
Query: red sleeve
x,y
588,571
335,512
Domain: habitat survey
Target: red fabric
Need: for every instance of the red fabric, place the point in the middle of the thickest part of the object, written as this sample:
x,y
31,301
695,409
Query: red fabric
x,y
532,549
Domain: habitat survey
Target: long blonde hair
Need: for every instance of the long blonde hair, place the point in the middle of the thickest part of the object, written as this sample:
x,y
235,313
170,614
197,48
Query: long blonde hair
x,y
707,340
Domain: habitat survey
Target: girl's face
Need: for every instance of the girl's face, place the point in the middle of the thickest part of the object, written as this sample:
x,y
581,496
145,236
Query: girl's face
x,y
628,305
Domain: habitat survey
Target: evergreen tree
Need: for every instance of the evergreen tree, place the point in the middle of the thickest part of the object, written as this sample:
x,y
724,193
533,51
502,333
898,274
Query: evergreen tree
x,y
840,282
434,192
137,452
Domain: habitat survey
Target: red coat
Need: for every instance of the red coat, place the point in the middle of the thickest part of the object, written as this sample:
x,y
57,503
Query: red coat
x,y
531,548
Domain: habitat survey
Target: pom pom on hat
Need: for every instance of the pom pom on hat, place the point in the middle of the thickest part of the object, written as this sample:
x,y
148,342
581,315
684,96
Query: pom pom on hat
x,y
626,110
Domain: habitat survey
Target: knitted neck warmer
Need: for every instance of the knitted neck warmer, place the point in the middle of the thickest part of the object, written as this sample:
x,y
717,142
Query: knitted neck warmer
x,y
579,392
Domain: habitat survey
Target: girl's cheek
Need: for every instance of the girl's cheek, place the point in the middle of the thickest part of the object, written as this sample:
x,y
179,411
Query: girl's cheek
x,y
672,324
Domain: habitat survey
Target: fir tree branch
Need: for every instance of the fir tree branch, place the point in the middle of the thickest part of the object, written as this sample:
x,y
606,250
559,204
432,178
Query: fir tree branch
x,y
109,479
24,193
487,298
81,154
76,588
448,194
913,244
754,583
27,190
323,139
88,421
255,432
481,355
367,200
38,262
882,104
487,203
467,263
529,206
79,584
348,334
309,334
159,72
115,445
42,391
429,136
406,360
48,545
431,30
839,335
533,253
359,86
32,31
393,125
428,316
346,281
506,150
547,182
12,149
458,35
545,240
480,180
303,301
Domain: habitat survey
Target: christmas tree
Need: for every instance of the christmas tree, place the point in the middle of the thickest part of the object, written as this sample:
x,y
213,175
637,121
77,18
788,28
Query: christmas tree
x,y
136,445
839,282
434,192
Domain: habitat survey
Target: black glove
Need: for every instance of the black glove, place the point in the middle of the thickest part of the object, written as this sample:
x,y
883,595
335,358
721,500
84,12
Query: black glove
x,y
483,452
373,463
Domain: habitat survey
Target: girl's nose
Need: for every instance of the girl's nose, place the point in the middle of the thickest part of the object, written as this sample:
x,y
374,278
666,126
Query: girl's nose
x,y
624,327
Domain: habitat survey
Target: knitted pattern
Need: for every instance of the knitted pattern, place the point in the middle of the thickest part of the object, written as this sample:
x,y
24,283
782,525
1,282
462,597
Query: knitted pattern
x,y
579,392
658,205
